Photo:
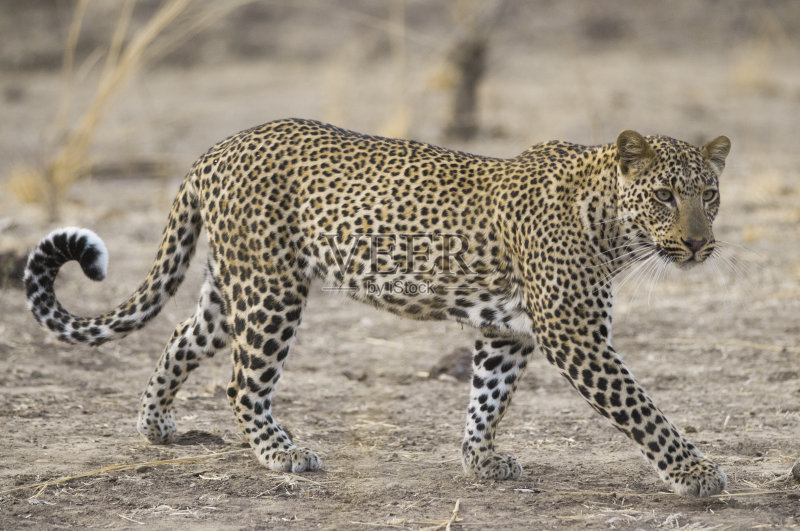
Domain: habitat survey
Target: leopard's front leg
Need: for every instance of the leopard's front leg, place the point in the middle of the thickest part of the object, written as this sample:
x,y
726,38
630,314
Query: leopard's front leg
x,y
600,376
498,362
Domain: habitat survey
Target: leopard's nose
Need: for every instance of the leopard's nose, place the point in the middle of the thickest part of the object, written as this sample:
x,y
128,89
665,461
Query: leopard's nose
x,y
694,245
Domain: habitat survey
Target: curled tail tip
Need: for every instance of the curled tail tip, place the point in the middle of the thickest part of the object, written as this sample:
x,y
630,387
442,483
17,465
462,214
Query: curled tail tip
x,y
53,251
82,245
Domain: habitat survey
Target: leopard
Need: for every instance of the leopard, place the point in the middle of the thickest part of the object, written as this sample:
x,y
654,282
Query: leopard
x,y
524,250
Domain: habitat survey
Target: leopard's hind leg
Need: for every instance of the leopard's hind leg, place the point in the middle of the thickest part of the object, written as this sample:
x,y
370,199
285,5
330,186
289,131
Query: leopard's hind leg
x,y
498,362
263,325
193,340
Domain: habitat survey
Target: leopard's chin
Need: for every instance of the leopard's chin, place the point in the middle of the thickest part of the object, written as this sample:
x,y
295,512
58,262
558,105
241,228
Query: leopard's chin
x,y
686,265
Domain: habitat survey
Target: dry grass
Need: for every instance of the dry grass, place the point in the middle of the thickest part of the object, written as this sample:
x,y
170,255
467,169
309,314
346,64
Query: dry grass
x,y
71,159
286,481
70,162
47,183
43,485
447,523
67,65
429,525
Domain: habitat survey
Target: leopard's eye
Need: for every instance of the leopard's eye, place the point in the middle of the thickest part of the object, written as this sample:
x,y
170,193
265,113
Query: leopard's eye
x,y
664,195
709,195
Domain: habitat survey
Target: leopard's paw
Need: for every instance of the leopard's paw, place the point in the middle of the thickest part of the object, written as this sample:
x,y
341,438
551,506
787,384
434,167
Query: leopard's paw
x,y
157,429
496,467
699,477
292,460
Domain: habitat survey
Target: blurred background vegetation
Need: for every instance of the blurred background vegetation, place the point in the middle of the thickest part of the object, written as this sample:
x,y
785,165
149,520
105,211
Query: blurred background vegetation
x,y
102,87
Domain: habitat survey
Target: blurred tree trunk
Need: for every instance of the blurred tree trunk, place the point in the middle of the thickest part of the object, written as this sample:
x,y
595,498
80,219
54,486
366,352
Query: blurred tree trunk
x,y
468,61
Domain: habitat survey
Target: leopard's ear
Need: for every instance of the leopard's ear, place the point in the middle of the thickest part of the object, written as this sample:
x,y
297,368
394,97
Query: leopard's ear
x,y
635,154
716,151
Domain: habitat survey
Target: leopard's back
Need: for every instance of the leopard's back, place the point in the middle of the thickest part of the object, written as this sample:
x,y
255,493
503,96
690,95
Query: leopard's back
x,y
399,224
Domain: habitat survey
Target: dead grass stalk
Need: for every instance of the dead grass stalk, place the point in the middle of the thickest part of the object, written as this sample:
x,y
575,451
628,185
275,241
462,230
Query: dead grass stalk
x,y
71,161
43,485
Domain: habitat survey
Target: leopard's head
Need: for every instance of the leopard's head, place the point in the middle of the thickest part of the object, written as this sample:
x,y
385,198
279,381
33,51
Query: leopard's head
x,y
669,194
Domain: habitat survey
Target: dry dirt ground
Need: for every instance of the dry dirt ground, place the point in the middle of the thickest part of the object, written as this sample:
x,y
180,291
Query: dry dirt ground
x,y
716,347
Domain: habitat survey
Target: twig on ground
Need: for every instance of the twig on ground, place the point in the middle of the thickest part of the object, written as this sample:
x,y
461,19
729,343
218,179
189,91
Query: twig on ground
x,y
454,515
42,485
130,519
447,523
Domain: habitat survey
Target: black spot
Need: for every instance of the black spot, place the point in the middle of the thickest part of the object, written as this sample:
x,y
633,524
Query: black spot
x,y
492,363
457,312
600,399
588,378
267,375
615,401
270,347
620,417
480,355
283,353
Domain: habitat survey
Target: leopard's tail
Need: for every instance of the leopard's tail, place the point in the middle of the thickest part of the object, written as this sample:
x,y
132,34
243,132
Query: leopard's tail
x,y
177,247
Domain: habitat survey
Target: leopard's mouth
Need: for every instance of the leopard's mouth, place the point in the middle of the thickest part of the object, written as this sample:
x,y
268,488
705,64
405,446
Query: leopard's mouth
x,y
683,258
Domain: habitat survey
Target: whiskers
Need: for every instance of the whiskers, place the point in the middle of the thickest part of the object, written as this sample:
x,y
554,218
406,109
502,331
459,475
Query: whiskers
x,y
733,263
633,263
637,267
